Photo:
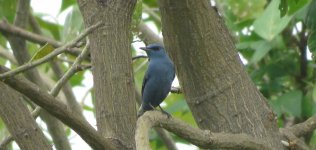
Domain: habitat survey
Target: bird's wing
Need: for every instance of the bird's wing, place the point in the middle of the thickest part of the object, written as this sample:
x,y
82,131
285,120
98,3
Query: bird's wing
x,y
144,82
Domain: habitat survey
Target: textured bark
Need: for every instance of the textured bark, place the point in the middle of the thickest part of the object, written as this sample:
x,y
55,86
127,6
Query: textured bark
x,y
112,69
218,90
19,121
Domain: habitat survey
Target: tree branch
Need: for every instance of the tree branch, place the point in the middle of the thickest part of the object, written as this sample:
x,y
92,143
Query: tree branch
x,y
67,90
6,54
19,122
303,128
59,110
166,138
198,137
164,135
51,55
71,71
14,30
147,35
293,142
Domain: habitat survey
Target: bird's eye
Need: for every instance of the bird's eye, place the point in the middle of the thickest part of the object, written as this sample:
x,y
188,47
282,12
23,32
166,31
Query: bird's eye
x,y
155,48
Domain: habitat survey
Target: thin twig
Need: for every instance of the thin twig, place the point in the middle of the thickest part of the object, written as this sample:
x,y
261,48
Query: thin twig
x,y
51,55
85,96
140,56
71,71
14,30
150,11
6,141
5,27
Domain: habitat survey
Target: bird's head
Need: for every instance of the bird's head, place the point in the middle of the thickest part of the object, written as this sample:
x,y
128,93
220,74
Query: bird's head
x,y
154,51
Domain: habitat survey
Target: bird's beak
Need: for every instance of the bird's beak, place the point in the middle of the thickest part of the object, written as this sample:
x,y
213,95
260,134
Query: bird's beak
x,y
144,48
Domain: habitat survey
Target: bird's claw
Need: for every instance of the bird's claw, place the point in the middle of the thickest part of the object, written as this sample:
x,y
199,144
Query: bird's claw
x,y
164,112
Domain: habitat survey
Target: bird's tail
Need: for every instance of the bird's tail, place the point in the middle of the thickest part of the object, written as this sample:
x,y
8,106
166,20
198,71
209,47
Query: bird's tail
x,y
142,109
140,112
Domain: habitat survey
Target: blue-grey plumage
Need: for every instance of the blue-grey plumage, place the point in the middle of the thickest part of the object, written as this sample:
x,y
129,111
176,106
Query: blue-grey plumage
x,y
158,78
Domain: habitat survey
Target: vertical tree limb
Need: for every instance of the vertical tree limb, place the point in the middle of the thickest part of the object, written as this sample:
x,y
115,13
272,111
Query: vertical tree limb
x,y
218,90
19,122
112,70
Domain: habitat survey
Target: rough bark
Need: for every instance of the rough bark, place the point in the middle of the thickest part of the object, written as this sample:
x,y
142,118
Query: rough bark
x,y
218,90
112,69
19,121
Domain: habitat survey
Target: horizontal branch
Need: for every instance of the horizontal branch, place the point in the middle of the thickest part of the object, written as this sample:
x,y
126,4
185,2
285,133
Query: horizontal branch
x,y
293,133
7,28
201,138
14,30
56,52
303,128
58,109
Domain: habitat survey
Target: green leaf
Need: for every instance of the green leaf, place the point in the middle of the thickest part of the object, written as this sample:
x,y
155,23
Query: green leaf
x,y
289,102
294,5
177,106
270,24
73,24
310,19
283,7
308,103
77,79
7,9
67,3
311,42
42,52
314,93
68,131
262,48
88,108
48,26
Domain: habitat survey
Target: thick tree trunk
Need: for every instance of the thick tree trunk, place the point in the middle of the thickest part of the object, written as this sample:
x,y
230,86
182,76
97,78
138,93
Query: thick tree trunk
x,y
19,121
112,69
218,90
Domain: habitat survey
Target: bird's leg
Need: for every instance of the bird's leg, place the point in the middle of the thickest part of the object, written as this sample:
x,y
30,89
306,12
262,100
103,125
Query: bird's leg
x,y
152,107
163,111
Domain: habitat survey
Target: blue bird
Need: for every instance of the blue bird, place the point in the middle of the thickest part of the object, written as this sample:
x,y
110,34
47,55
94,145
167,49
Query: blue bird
x,y
158,78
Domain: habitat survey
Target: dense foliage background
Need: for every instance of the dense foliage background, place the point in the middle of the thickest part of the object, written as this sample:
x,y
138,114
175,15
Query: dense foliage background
x,y
275,38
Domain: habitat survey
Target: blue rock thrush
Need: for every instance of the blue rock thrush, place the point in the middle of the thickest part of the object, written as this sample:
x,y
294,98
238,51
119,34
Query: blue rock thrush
x,y
158,78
